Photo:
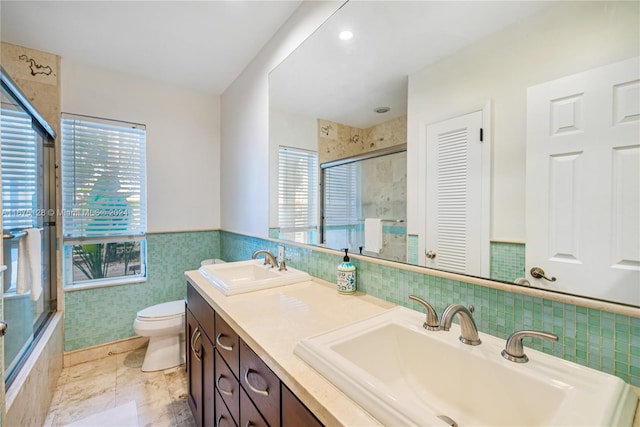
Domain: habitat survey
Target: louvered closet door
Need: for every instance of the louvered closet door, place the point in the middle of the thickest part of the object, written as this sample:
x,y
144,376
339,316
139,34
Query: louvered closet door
x,y
454,195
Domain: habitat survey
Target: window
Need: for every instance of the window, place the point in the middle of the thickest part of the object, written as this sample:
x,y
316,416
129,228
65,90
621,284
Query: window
x,y
103,200
297,194
342,207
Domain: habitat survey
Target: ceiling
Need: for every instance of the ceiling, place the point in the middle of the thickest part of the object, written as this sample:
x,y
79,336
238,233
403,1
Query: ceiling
x,y
344,81
201,45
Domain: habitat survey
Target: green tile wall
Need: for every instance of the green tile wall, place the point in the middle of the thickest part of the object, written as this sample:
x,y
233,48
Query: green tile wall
x,y
598,339
100,315
507,261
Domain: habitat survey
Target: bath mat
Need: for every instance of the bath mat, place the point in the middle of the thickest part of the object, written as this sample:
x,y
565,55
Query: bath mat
x,y
121,416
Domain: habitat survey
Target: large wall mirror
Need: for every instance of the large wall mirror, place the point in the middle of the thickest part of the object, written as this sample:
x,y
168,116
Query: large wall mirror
x,y
521,123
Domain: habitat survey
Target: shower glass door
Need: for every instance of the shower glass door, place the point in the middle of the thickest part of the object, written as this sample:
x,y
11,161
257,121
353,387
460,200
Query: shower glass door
x,y
28,227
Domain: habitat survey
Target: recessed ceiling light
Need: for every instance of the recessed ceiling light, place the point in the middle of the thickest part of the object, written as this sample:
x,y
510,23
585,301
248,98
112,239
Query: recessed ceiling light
x,y
381,110
346,35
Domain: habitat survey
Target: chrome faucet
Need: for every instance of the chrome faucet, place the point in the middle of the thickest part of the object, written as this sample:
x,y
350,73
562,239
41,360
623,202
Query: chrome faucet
x,y
269,259
514,350
431,324
468,328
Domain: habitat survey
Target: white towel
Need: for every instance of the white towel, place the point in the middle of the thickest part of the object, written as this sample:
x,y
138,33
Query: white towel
x,y
30,264
373,234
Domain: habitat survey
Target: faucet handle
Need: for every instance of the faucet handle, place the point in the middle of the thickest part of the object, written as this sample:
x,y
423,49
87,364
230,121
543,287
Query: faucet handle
x,y
431,324
514,350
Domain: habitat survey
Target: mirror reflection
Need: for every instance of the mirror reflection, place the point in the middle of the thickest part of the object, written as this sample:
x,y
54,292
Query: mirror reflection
x,y
364,204
503,76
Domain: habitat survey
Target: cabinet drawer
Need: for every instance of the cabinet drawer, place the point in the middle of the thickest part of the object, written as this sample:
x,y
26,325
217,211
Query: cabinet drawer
x,y
249,414
262,385
201,310
294,413
227,343
228,387
223,416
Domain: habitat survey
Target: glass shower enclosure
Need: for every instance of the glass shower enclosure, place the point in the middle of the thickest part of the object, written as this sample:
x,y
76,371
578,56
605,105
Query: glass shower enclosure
x,y
28,225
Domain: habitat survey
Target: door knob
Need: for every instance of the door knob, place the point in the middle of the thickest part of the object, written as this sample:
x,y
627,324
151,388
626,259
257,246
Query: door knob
x,y
431,254
539,273
3,328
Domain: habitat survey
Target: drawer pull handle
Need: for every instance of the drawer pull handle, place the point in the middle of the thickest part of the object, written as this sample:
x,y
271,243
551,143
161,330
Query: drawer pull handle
x,y
194,339
220,418
248,424
221,390
264,393
222,346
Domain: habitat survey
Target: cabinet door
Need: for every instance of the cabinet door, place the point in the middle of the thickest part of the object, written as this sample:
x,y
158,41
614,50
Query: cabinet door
x,y
249,414
294,413
261,384
194,367
208,382
202,311
228,387
223,416
227,343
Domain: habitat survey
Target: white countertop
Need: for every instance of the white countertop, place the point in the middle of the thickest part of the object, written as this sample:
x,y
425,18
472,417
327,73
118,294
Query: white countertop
x,y
272,321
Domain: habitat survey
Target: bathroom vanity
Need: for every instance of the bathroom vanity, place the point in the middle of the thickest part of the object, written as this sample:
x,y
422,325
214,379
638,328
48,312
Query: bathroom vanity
x,y
241,346
242,360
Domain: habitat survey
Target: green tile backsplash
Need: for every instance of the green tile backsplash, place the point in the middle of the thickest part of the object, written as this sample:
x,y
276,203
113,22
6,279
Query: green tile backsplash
x,y
595,338
507,261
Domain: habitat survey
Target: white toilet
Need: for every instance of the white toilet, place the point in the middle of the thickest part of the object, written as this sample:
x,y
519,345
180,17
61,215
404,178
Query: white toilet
x,y
164,325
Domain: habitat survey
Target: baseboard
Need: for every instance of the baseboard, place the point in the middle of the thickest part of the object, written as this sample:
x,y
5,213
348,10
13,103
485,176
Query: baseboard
x,y
87,354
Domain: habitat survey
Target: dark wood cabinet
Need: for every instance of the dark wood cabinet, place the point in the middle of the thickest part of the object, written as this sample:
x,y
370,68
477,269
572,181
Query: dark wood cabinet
x,y
223,416
249,414
194,369
294,413
200,360
227,342
229,385
261,384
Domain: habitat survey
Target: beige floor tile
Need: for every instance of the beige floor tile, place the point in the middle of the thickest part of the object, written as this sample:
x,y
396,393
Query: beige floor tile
x,y
98,385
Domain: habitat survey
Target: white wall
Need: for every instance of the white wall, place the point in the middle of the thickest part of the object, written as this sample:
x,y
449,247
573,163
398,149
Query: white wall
x,y
183,140
245,126
576,37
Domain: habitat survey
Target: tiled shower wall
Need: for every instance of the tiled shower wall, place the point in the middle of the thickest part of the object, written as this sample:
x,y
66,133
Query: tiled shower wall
x,y
595,338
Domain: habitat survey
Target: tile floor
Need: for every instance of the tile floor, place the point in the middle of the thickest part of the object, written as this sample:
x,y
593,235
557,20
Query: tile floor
x,y
88,388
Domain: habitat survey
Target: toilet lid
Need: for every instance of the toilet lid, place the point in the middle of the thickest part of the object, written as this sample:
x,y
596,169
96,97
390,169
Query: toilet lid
x,y
166,309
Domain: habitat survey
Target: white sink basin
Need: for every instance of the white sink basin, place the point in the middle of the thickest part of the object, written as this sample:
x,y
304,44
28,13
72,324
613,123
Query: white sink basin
x,y
404,375
246,276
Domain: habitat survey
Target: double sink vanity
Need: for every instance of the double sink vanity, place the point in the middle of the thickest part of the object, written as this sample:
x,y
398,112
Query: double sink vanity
x,y
269,346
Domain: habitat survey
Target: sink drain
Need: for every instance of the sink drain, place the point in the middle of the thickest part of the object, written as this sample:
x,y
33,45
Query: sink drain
x,y
448,420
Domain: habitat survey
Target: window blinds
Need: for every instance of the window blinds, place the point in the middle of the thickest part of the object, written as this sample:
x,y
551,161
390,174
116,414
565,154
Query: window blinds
x,y
297,189
341,195
19,171
103,178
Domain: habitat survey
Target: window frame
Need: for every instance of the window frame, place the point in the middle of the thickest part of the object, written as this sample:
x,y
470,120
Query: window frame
x,y
298,226
108,217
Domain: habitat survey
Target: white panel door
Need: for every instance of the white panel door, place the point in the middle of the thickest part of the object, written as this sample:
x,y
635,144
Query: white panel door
x,y
455,223
583,182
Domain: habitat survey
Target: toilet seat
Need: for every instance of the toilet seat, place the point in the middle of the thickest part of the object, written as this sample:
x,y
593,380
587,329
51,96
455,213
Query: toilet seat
x,y
163,311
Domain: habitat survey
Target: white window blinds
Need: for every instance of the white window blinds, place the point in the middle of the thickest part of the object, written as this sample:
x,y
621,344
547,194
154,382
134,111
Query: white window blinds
x,y
103,178
297,189
341,188
19,170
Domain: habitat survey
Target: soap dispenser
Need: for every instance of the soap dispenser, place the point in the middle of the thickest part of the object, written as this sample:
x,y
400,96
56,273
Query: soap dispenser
x,y
346,275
